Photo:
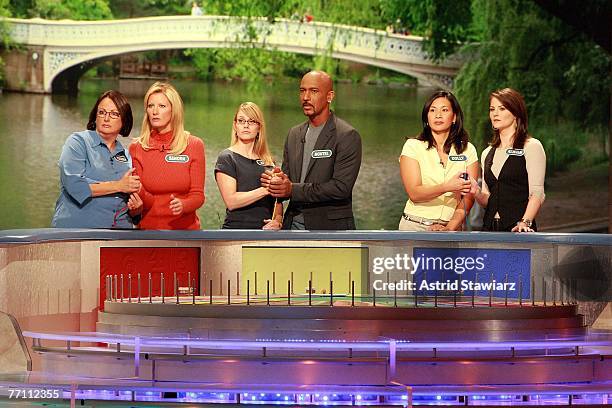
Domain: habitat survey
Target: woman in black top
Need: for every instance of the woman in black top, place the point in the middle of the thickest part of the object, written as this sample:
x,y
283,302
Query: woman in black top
x,y
514,166
237,172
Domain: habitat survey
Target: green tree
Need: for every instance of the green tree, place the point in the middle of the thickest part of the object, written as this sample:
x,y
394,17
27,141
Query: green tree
x,y
20,8
444,24
145,8
72,9
255,63
4,33
563,75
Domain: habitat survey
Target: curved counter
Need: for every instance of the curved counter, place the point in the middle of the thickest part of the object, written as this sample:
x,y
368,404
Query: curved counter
x,y
58,271
355,288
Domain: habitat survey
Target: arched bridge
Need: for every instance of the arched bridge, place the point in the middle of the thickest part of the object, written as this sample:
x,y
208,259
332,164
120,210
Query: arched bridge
x,y
59,48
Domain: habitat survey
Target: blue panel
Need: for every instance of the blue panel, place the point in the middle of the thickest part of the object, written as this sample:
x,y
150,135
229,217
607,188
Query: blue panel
x,y
473,270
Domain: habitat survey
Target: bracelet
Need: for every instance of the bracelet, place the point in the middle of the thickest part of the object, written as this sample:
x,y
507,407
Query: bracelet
x,y
525,221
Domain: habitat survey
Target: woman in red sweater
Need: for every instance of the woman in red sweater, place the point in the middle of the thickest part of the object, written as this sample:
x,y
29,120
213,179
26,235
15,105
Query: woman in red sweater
x,y
170,162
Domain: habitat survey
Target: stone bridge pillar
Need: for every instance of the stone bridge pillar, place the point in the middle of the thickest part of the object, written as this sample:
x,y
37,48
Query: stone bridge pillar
x,y
23,69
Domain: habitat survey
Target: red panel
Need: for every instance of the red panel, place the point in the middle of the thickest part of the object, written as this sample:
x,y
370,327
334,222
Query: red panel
x,y
126,261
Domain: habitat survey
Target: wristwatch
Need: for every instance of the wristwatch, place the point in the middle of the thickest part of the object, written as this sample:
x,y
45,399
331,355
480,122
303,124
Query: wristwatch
x,y
525,221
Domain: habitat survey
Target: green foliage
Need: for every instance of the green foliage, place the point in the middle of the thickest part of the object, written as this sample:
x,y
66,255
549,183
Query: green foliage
x,y
244,7
444,24
509,43
561,141
251,64
143,8
19,8
72,9
565,143
5,40
367,14
147,8
563,76
5,8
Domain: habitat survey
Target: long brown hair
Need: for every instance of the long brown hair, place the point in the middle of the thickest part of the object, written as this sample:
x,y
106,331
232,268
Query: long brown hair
x,y
514,102
457,135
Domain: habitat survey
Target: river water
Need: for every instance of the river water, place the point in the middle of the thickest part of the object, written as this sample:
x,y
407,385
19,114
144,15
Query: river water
x,y
33,129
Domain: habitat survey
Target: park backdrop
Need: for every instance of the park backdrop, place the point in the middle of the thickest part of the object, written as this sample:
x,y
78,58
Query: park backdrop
x,y
557,53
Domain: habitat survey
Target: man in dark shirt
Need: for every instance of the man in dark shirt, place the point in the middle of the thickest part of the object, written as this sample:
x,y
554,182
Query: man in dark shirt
x,y
321,162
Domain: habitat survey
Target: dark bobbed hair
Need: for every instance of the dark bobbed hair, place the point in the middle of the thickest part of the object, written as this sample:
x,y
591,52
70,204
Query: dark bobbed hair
x,y
457,136
515,103
123,106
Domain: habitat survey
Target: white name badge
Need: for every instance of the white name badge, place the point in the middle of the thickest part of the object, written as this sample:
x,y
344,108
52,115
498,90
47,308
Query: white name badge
x,y
458,158
260,162
321,154
515,152
121,158
177,158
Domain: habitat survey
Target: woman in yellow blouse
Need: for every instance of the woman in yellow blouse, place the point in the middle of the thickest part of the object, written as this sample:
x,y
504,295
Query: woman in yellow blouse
x,y
433,167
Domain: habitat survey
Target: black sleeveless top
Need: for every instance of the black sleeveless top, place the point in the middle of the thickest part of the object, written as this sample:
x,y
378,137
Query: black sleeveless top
x,y
509,193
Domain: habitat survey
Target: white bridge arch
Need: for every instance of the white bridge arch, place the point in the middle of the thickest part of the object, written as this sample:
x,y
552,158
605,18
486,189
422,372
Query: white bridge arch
x,y
67,43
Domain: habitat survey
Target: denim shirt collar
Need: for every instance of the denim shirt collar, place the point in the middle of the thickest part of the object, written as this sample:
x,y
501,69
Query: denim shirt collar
x,y
96,140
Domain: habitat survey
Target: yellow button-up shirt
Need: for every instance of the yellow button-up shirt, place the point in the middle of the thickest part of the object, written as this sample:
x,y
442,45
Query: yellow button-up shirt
x,y
432,173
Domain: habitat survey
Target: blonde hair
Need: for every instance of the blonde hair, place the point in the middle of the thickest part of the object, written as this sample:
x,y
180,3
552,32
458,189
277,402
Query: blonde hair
x,y
179,135
260,147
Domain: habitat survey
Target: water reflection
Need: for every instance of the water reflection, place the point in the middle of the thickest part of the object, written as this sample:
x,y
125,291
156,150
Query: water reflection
x,y
34,128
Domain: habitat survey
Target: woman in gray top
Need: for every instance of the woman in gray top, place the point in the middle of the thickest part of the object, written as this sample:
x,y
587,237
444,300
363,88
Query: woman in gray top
x,y
237,172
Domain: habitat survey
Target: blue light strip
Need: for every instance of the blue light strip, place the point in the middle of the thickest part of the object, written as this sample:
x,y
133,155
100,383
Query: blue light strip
x,y
340,398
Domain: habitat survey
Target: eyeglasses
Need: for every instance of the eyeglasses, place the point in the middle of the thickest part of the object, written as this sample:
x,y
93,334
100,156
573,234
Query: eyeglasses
x,y
249,122
113,114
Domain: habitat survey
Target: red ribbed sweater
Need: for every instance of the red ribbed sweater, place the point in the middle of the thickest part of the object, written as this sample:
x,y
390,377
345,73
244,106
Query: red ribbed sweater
x,y
163,174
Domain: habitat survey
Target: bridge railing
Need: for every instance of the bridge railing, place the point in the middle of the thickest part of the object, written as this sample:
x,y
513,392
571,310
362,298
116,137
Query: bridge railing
x,y
68,43
188,31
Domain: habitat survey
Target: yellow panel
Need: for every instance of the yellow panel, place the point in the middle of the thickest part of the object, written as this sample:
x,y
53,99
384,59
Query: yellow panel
x,y
277,263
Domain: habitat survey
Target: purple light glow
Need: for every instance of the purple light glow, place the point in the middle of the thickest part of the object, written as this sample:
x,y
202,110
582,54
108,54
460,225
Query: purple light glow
x,y
339,398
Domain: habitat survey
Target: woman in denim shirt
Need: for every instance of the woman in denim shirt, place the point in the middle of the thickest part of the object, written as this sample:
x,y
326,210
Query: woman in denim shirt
x,y
96,178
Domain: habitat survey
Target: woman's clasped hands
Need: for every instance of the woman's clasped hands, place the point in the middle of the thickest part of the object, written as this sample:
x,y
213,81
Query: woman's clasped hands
x,y
129,183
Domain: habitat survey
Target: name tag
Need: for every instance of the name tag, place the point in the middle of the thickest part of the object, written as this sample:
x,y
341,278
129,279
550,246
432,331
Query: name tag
x,y
458,158
321,154
515,152
260,162
177,158
120,157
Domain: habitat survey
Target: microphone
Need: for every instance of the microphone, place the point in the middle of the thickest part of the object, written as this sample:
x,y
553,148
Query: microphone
x,y
465,176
